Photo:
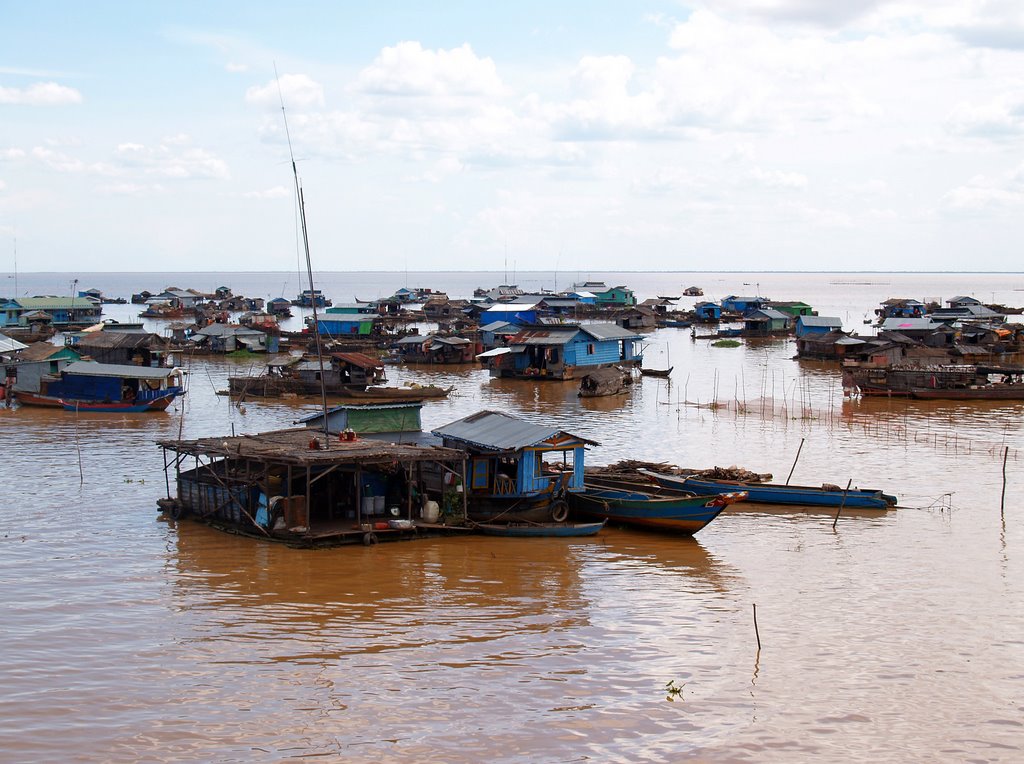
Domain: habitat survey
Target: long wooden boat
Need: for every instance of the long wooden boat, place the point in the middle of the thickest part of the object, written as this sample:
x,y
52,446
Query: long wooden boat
x,y
649,506
771,493
105,388
540,530
657,372
993,392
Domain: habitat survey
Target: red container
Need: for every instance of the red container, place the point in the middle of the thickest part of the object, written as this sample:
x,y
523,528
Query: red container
x,y
381,526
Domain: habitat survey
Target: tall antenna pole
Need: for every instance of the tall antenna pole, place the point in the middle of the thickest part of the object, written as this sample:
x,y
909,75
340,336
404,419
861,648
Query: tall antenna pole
x,y
305,244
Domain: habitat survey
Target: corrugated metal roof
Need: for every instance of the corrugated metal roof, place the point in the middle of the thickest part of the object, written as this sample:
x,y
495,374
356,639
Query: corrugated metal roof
x,y
914,324
607,331
228,330
93,369
360,407
768,313
497,431
41,351
450,341
55,303
850,341
8,345
495,326
826,321
545,336
117,340
361,360
511,307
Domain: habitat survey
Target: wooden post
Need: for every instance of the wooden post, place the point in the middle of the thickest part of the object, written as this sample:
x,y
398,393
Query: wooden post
x,y
465,492
756,633
842,503
359,495
1002,498
795,460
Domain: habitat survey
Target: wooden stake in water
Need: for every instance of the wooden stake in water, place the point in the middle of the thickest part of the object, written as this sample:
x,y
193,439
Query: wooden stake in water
x,y
795,460
1002,498
842,504
756,634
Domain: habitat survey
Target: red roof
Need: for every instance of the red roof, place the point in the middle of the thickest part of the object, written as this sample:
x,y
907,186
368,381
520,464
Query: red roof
x,y
359,359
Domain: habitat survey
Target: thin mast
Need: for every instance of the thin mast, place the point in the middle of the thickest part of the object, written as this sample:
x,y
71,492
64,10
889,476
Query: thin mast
x,y
305,244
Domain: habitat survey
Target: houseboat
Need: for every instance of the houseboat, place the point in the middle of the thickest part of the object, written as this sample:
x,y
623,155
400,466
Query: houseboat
x,y
934,381
104,387
308,297
564,351
308,488
518,471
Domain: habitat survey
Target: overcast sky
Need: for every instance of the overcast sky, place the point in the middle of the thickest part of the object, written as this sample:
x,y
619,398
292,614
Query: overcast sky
x,y
738,134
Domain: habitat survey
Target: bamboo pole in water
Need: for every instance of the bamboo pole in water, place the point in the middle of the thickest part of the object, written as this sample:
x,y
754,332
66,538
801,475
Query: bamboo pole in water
x,y
1002,498
799,449
756,633
842,503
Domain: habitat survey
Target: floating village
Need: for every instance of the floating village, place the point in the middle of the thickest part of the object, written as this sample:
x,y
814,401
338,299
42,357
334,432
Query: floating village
x,y
358,466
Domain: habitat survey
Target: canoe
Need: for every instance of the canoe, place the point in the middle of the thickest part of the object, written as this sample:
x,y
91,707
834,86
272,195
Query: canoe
x,y
656,372
650,506
540,530
770,493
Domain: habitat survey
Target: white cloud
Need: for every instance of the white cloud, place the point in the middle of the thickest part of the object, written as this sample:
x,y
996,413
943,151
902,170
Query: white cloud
x,y
11,153
170,160
778,178
2,185
235,67
130,189
998,119
277,192
410,70
40,94
987,194
299,91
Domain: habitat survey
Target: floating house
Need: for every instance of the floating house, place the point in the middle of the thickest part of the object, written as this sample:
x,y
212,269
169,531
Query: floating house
x,y
436,349
39,359
307,488
743,305
293,375
59,311
900,307
792,308
807,326
307,297
564,351
346,325
399,422
640,318
707,312
766,321
103,388
832,345
517,470
497,333
179,298
227,338
693,291
521,313
280,306
138,349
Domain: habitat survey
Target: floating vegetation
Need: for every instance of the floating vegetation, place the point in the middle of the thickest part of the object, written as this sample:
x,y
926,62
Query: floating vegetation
x,y
726,344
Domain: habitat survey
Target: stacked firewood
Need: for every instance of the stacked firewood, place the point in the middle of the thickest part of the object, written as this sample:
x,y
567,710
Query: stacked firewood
x,y
629,469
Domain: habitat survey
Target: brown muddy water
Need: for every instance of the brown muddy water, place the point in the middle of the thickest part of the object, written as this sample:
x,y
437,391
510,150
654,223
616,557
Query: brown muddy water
x,y
899,636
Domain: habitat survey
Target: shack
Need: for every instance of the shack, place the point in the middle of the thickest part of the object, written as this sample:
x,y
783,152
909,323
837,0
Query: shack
x,y
765,322
141,349
308,488
564,351
518,470
807,326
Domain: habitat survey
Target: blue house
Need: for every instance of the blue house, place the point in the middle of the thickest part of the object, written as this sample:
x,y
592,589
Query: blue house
x,y
512,312
743,305
345,324
707,311
809,326
518,470
564,351
63,311
900,307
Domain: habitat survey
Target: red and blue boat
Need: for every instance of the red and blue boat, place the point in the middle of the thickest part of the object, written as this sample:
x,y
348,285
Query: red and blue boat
x,y
773,493
107,388
649,506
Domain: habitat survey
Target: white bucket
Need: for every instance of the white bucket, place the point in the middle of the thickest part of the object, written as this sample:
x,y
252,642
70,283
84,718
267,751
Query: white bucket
x,y
367,505
430,512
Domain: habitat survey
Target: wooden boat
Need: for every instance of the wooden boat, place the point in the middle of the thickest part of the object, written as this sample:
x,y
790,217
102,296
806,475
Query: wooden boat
x,y
772,493
648,506
605,381
417,392
105,388
657,372
992,392
540,530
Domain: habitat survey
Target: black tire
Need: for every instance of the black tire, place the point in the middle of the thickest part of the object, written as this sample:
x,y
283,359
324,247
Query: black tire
x,y
369,539
559,510
177,511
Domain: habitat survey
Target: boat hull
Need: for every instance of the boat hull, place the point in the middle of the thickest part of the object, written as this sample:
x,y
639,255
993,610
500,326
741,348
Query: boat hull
x,y
678,513
986,393
768,493
541,530
98,407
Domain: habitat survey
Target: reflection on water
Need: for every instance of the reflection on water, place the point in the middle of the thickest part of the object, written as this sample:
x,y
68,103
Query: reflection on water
x,y
896,635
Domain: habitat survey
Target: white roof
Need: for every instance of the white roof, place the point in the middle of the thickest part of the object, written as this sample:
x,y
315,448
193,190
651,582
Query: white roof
x,y
8,345
511,307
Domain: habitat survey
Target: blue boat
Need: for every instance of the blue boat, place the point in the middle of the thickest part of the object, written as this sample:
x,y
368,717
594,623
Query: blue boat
x,y
540,530
771,493
107,388
649,506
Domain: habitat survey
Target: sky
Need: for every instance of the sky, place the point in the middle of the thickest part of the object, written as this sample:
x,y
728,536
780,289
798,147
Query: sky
x,y
854,135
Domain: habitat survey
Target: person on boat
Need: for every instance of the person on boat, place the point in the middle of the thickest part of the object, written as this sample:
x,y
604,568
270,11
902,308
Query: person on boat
x,y
127,393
